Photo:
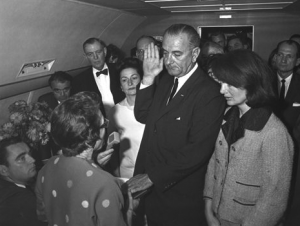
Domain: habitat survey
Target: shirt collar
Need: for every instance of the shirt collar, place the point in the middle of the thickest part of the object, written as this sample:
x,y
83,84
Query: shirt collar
x,y
20,185
183,79
287,79
96,70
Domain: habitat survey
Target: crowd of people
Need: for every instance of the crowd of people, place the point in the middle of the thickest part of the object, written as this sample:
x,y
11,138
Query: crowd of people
x,y
208,137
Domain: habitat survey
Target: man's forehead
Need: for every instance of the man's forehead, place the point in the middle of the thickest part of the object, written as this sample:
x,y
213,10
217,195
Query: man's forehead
x,y
285,47
60,84
14,150
217,38
93,47
180,41
234,41
142,43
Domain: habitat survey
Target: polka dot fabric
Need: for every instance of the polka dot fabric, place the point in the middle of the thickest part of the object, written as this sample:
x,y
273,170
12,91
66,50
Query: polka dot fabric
x,y
76,192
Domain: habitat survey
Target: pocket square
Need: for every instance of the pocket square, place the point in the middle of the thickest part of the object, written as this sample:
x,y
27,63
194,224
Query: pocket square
x,y
296,104
178,118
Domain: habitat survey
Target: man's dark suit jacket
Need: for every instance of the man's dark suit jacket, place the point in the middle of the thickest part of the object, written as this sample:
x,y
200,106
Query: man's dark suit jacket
x,y
85,82
17,205
178,141
49,99
289,111
46,151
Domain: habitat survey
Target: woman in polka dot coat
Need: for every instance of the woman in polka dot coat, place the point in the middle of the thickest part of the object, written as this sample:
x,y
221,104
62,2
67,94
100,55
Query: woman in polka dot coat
x,y
71,189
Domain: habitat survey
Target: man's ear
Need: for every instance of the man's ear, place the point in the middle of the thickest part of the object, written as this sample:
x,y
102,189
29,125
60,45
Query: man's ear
x,y
4,171
195,54
105,51
297,62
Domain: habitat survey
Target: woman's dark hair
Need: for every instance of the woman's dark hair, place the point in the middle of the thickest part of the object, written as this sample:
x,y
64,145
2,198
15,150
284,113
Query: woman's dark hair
x,y
245,69
114,53
130,62
75,123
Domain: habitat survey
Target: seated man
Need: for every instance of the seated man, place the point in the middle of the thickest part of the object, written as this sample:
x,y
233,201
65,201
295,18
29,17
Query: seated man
x,y
17,170
60,83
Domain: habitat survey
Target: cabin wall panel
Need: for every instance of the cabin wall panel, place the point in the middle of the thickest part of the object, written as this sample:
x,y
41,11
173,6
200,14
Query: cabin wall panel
x,y
269,28
35,30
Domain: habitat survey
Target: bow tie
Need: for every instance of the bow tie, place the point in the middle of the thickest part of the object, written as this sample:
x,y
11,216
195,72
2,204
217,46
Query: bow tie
x,y
104,72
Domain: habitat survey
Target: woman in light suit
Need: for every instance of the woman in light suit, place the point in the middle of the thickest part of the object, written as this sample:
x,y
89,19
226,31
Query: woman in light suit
x,y
248,176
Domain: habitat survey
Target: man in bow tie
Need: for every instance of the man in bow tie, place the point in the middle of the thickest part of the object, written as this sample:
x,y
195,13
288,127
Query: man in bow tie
x,y
101,78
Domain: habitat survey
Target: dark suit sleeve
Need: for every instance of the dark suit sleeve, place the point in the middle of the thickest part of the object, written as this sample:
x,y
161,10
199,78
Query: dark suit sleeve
x,y
143,103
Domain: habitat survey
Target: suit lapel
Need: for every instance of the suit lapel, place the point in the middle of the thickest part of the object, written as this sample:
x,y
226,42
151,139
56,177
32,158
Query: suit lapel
x,y
90,82
179,96
293,88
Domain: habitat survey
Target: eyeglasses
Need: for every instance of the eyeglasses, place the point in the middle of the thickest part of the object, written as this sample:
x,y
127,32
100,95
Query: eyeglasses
x,y
59,91
105,124
140,52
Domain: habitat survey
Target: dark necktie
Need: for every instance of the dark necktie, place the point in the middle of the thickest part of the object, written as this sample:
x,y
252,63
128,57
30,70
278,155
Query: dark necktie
x,y
173,90
103,72
282,90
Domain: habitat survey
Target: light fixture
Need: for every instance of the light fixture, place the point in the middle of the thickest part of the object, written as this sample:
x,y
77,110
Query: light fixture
x,y
36,67
225,16
225,8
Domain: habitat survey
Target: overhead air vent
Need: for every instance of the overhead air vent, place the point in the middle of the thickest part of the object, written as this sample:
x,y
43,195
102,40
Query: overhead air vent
x,y
36,67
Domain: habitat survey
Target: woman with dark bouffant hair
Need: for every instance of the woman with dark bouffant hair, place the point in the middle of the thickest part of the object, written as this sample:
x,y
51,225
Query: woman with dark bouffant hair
x,y
71,189
248,176
122,119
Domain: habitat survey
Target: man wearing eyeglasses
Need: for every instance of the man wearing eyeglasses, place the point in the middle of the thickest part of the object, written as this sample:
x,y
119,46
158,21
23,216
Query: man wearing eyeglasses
x,y
141,45
60,83
101,78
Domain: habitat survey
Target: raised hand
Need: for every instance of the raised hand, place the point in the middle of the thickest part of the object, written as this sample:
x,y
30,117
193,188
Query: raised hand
x,y
152,64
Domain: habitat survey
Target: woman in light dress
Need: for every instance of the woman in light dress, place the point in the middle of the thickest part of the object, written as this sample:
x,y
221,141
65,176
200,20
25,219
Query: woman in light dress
x,y
122,120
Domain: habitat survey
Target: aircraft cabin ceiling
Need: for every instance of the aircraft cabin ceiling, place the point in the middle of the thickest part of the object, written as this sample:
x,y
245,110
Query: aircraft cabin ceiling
x,y
47,35
165,7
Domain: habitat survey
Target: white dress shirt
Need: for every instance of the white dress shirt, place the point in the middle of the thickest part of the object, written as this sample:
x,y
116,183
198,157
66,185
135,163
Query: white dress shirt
x,y
181,80
286,84
103,83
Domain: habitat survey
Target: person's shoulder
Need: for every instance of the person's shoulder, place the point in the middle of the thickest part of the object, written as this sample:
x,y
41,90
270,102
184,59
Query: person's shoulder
x,y
274,123
9,190
45,96
86,71
207,83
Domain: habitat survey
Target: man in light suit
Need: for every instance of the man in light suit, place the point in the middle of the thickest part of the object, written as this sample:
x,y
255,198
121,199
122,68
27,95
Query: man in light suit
x,y
287,59
60,82
180,132
101,78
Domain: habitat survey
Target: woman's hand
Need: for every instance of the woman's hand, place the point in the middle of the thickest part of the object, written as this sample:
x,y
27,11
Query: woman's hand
x,y
132,205
104,157
211,219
